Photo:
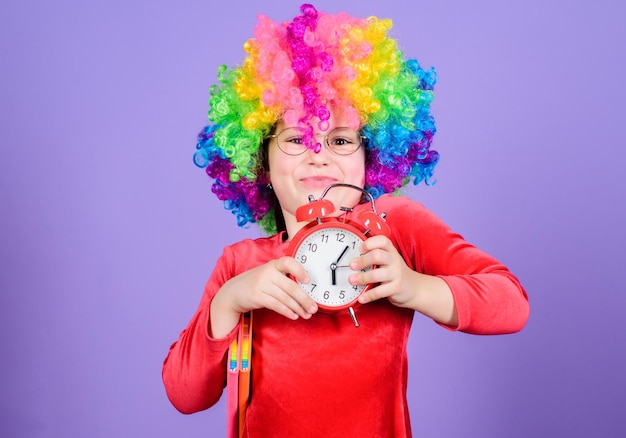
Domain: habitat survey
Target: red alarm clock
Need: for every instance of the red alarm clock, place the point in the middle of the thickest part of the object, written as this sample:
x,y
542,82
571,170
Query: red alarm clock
x,y
326,245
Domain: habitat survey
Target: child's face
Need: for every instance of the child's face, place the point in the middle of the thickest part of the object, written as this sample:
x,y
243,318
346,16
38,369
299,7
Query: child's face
x,y
295,177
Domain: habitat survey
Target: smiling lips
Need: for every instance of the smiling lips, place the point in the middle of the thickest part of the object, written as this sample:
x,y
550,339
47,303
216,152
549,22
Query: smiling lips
x,y
318,181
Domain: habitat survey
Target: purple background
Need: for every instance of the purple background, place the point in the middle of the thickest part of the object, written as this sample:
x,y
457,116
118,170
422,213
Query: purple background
x,y
109,232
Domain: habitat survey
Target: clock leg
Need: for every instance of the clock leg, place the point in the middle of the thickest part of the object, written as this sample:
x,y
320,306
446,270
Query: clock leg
x,y
353,316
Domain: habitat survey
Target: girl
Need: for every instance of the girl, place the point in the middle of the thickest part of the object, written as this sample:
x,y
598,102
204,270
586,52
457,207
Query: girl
x,y
328,99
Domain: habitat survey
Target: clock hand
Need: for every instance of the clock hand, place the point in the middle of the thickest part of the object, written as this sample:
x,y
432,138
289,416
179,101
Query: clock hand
x,y
342,254
333,266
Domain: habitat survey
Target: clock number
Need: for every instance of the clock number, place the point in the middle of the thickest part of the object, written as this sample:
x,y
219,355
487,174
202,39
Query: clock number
x,y
340,237
312,247
313,286
324,238
355,287
342,294
303,259
326,295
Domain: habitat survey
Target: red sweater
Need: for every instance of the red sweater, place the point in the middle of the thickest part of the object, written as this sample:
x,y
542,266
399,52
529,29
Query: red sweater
x,y
323,377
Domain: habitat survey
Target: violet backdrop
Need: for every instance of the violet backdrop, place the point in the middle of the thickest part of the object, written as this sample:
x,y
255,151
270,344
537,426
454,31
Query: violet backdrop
x,y
109,232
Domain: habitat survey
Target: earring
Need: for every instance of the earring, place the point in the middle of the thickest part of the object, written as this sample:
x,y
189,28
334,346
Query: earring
x,y
269,186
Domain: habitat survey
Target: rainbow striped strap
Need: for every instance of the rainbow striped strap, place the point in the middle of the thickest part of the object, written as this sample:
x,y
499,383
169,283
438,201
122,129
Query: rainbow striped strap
x,y
240,350
238,381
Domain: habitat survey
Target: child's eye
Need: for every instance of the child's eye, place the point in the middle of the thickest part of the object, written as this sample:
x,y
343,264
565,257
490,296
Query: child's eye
x,y
339,141
294,140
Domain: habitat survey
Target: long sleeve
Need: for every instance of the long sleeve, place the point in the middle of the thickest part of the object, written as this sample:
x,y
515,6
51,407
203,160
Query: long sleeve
x,y
488,297
194,371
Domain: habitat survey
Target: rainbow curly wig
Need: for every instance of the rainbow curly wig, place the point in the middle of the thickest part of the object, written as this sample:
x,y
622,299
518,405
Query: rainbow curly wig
x,y
295,71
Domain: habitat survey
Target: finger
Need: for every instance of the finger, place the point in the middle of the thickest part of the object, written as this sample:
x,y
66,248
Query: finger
x,y
299,273
281,308
376,257
374,293
298,299
290,266
371,276
280,293
376,242
273,297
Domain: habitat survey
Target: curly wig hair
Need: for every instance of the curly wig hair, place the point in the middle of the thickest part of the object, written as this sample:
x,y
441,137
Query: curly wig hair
x,y
296,71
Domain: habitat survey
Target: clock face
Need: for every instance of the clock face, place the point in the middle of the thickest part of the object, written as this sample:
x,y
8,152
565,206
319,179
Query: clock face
x,y
325,254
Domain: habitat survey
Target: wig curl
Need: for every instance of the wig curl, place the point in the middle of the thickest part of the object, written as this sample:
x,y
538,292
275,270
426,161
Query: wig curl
x,y
296,71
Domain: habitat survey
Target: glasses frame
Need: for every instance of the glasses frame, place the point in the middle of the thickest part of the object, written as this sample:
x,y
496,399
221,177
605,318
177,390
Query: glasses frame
x,y
362,139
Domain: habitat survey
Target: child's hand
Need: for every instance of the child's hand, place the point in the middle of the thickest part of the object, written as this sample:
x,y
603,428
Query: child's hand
x,y
392,278
266,286
403,287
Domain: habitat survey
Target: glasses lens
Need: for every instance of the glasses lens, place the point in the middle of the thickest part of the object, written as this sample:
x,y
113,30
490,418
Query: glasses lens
x,y
343,141
291,142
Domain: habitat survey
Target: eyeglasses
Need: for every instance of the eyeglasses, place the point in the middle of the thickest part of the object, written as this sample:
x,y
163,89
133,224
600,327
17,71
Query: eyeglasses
x,y
342,141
